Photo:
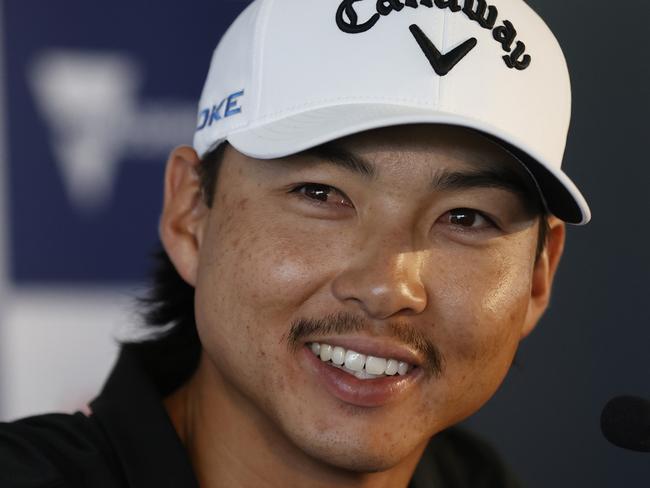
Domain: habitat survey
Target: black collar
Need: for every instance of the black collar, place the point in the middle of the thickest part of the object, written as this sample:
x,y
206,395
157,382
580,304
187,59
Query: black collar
x,y
146,445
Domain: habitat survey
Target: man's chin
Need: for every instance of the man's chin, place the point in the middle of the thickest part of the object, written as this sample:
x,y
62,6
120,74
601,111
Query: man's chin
x,y
358,455
353,459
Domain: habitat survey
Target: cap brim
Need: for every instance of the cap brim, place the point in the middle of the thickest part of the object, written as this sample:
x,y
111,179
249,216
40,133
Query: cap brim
x,y
298,132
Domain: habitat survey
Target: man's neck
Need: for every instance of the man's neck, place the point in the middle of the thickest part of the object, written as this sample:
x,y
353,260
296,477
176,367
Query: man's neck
x,y
232,443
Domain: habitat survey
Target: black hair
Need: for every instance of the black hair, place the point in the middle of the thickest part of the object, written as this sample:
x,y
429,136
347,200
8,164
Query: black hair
x,y
171,354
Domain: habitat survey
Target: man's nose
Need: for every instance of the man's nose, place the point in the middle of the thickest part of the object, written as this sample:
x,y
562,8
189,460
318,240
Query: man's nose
x,y
384,283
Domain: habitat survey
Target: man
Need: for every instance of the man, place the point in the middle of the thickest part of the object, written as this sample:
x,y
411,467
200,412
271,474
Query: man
x,y
368,224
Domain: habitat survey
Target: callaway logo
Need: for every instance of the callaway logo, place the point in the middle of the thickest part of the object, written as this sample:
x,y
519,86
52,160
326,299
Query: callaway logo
x,y
478,11
441,64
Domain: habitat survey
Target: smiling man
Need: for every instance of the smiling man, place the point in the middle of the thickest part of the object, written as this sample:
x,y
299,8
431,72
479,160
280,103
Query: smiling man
x,y
367,225
352,301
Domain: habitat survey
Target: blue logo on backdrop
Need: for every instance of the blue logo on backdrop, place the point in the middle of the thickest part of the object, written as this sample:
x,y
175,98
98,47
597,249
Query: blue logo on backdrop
x,y
225,108
91,141
94,113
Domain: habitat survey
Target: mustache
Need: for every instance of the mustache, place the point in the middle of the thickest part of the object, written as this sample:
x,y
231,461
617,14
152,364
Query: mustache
x,y
345,323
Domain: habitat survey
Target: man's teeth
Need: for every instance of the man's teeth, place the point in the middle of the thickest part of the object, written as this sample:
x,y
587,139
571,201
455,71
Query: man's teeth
x,y
360,365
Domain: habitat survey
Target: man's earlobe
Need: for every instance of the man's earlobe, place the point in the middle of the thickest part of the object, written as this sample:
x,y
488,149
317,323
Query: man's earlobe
x,y
183,214
544,273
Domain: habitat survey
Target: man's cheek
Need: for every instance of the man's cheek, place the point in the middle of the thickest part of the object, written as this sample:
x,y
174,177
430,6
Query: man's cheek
x,y
487,289
287,269
480,359
484,332
478,319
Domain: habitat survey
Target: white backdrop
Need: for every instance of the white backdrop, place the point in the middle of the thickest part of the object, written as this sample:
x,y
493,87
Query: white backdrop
x,y
57,347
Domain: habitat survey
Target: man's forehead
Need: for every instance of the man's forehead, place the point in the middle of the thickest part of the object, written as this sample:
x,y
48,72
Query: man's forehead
x,y
456,143
440,150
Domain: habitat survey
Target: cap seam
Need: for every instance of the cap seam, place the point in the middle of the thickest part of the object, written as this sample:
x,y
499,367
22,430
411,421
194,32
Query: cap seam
x,y
443,47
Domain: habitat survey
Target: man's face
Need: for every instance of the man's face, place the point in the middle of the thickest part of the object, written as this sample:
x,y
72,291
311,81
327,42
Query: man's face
x,y
429,260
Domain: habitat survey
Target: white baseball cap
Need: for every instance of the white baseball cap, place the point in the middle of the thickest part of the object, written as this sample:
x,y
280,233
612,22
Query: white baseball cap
x,y
289,75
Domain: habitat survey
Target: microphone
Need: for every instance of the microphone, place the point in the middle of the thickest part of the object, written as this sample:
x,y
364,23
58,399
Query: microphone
x,y
625,422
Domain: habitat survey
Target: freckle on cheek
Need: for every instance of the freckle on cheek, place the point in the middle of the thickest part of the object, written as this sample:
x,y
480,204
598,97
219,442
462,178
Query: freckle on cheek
x,y
227,220
321,424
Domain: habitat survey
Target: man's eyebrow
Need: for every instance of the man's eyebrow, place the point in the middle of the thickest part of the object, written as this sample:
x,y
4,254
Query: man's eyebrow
x,y
504,178
343,158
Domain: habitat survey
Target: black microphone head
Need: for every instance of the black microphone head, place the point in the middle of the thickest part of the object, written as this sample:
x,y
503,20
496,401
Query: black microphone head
x,y
625,422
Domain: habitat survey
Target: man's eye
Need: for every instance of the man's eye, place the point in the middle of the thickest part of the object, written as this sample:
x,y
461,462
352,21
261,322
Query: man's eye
x,y
466,218
322,194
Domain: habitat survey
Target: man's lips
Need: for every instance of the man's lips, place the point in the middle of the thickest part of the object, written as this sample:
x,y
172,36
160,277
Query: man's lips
x,y
359,392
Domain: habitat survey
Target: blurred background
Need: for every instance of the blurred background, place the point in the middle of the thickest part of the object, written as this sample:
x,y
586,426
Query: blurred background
x,y
93,95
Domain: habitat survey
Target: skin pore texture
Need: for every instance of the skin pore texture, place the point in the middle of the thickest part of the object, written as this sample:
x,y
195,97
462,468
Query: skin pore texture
x,y
419,251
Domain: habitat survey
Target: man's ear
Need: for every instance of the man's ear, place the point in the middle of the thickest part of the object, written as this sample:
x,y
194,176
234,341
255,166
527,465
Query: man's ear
x,y
184,212
544,273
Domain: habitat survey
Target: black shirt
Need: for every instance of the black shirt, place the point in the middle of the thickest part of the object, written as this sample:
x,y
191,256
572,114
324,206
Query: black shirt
x,y
129,441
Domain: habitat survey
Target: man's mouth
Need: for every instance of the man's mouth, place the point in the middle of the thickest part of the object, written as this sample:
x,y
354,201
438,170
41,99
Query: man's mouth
x,y
363,379
360,365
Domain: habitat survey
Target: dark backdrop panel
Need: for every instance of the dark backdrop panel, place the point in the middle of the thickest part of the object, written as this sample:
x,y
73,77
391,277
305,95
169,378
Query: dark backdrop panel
x,y
592,344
